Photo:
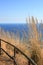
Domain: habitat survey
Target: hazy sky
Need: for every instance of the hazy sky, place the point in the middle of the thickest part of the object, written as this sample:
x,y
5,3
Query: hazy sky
x,y
16,11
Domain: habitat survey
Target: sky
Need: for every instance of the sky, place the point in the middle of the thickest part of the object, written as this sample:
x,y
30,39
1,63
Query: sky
x,y
16,11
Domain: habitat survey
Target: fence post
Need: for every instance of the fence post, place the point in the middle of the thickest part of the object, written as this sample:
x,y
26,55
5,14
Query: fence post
x,y
28,62
14,54
0,46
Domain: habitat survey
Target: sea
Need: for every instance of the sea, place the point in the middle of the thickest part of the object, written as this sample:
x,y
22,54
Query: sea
x,y
13,27
20,28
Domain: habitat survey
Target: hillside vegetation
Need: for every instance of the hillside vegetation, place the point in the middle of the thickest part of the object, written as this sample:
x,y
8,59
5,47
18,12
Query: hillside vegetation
x,y
30,44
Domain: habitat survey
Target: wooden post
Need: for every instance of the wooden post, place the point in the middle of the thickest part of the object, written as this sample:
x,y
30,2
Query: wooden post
x,y
14,52
14,55
28,62
14,63
0,46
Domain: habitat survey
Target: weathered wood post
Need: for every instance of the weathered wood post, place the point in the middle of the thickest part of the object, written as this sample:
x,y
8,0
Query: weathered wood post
x,y
28,62
14,51
0,46
14,54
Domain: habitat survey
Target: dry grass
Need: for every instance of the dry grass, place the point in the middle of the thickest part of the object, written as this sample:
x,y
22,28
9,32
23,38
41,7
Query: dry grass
x,y
34,41
35,52
21,60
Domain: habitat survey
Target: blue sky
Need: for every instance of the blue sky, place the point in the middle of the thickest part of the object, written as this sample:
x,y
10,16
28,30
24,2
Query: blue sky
x,y
16,11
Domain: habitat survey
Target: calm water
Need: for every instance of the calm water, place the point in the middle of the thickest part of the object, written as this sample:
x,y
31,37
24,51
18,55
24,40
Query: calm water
x,y
13,27
19,27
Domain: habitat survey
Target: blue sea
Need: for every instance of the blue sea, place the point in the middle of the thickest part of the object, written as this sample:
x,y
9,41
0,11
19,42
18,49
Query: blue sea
x,y
13,27
19,27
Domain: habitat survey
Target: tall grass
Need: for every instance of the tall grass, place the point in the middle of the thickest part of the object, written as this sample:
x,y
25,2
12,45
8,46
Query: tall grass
x,y
15,40
29,44
34,40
